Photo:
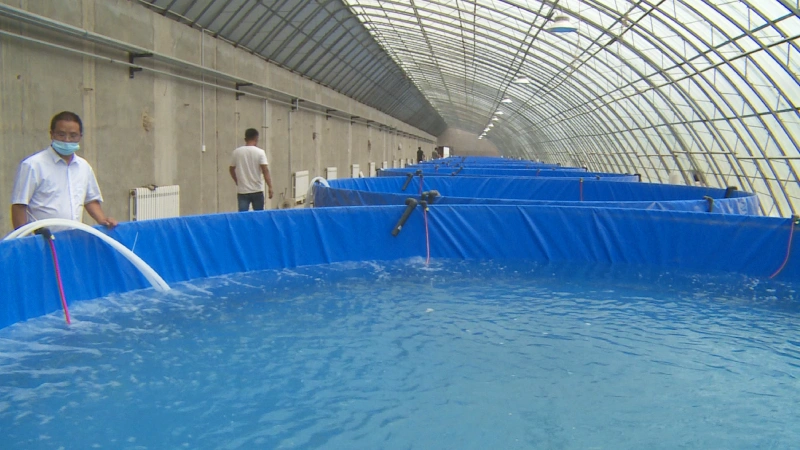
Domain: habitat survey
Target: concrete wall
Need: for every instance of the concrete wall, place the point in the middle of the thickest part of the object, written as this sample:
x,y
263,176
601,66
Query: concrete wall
x,y
464,143
152,128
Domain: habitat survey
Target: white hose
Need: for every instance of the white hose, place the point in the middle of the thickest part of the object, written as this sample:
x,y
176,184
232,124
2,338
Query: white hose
x,y
155,280
310,192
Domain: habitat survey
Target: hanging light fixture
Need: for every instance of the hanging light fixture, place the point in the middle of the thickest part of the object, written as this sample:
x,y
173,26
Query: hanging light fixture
x,y
505,100
522,80
561,24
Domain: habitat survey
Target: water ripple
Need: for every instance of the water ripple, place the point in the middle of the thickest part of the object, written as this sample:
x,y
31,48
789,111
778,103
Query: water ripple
x,y
467,355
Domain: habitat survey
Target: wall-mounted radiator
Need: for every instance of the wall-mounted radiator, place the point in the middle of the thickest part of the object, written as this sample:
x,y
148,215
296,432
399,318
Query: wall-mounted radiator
x,y
354,169
300,186
372,172
155,202
330,173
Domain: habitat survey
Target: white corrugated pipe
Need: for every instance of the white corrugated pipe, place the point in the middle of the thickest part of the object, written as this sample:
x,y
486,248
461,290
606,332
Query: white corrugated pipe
x,y
154,278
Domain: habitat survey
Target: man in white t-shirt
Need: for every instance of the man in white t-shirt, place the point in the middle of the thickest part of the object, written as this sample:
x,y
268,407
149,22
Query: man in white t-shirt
x,y
55,183
248,164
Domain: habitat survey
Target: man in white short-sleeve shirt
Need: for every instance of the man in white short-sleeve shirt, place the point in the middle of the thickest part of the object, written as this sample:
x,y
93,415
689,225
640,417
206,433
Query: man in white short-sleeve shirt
x,y
55,183
248,165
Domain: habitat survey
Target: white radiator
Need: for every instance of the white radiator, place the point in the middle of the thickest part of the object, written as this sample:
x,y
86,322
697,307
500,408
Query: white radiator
x,y
300,186
372,172
385,165
354,169
157,202
330,173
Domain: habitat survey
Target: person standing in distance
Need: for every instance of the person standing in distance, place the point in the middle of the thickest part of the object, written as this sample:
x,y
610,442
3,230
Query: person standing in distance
x,y
248,164
420,155
55,183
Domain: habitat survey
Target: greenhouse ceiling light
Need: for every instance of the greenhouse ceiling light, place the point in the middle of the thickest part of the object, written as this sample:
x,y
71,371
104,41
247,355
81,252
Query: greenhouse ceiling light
x,y
495,119
506,100
561,24
499,113
522,80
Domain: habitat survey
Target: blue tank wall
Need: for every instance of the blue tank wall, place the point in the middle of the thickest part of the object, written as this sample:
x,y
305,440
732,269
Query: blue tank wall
x,y
535,191
191,247
446,170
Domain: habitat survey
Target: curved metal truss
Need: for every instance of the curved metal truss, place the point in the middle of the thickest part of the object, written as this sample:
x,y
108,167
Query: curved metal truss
x,y
700,88
704,88
320,39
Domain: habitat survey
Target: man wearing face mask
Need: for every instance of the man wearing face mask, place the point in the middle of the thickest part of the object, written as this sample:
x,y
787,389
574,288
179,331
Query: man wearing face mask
x,y
55,182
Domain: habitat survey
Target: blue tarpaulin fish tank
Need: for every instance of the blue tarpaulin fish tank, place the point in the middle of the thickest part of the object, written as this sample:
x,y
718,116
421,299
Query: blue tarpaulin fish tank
x,y
532,191
500,313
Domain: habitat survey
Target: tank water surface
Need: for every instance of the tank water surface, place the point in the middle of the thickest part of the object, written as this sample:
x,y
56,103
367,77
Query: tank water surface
x,y
467,355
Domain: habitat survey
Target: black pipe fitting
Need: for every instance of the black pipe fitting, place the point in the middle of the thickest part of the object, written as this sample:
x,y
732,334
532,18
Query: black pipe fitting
x,y
408,180
710,203
410,205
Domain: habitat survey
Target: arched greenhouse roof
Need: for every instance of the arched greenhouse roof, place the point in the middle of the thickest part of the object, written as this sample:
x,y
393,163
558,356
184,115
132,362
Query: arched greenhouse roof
x,y
657,87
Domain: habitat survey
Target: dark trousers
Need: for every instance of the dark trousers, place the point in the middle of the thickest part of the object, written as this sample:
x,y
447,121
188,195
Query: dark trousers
x,y
256,198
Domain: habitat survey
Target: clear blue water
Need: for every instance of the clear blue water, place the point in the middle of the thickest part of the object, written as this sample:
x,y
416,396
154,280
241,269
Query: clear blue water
x,y
457,355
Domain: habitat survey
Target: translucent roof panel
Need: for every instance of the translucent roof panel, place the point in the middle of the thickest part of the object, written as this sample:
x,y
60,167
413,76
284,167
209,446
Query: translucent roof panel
x,y
705,88
320,39
708,89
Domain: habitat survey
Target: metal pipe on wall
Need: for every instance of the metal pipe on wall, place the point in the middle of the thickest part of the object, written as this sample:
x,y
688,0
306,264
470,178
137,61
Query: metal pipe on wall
x,y
203,91
265,142
289,152
34,19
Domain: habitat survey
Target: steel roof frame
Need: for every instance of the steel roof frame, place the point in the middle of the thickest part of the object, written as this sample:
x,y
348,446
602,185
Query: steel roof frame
x,y
624,100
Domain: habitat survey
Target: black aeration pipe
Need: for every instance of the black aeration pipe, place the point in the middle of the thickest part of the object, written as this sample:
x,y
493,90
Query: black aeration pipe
x,y
408,180
410,205
710,203
430,196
